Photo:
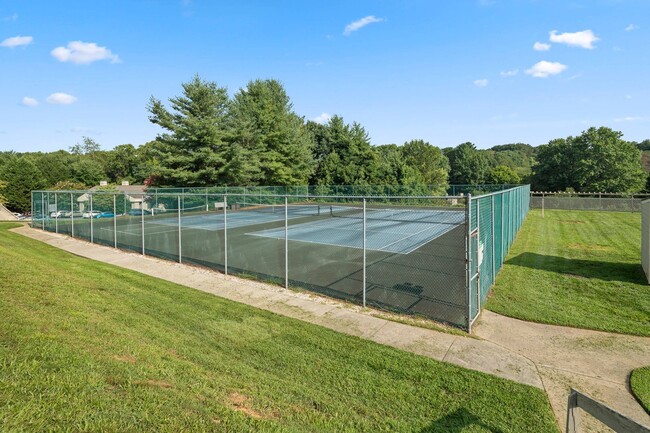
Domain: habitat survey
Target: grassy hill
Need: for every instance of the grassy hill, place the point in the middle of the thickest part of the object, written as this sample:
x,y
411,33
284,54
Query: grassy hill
x,y
86,346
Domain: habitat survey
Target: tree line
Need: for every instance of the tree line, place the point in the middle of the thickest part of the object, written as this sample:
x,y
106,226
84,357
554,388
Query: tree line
x,y
256,138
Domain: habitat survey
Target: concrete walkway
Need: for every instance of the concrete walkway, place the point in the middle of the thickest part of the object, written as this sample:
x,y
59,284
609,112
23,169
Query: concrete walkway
x,y
547,357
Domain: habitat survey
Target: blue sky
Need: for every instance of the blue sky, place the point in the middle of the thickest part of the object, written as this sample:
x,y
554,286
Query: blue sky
x,y
486,71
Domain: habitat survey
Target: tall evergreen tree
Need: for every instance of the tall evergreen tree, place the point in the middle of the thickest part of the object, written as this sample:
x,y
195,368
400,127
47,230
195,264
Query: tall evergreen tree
x,y
21,177
270,135
193,151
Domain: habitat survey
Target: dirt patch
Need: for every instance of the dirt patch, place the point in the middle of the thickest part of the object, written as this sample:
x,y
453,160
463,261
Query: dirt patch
x,y
239,402
590,247
125,358
154,383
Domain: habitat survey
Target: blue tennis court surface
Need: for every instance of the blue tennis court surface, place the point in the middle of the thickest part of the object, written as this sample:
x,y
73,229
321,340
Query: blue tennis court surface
x,y
382,234
238,218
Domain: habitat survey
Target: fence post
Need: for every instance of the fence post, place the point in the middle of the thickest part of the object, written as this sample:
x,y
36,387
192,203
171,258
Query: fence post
x,y
468,260
72,214
114,221
494,277
142,221
225,233
478,251
92,232
573,414
364,253
56,215
286,242
42,212
180,239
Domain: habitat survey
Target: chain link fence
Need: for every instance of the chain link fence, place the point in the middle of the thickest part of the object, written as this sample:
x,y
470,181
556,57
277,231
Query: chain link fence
x,y
597,201
430,255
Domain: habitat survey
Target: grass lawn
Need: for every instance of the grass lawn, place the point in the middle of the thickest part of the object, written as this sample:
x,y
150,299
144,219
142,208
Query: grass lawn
x,y
576,268
640,384
86,346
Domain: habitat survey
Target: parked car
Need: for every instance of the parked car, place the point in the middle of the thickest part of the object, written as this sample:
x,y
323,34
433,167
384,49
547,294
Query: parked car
x,y
138,212
56,214
105,215
90,214
71,214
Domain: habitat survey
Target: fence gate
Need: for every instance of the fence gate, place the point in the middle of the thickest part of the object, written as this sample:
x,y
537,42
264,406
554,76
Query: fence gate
x,y
473,289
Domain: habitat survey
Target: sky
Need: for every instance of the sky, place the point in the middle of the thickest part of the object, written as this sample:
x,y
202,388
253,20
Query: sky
x,y
486,71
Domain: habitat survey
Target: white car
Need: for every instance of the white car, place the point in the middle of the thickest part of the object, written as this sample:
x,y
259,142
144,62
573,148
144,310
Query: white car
x,y
89,214
56,214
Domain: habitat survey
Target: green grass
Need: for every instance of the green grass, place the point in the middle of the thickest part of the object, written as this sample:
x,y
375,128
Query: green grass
x,y
576,268
86,346
640,384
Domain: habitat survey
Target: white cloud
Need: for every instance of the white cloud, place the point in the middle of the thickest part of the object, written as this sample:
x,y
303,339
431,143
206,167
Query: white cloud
x,y
323,118
356,25
12,17
16,41
631,27
543,69
584,39
628,96
481,83
511,73
30,102
83,53
61,98
628,119
540,46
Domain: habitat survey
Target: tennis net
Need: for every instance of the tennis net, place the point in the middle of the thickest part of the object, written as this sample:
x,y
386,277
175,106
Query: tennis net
x,y
292,209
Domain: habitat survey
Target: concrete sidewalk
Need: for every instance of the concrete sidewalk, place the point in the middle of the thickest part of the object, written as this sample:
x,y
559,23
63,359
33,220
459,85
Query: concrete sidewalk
x,y
547,357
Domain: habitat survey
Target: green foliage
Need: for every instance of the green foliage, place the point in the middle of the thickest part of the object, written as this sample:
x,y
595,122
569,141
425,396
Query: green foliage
x,y
468,165
343,154
597,160
67,185
87,146
644,145
428,160
393,169
55,166
3,185
270,143
21,177
193,151
87,172
503,174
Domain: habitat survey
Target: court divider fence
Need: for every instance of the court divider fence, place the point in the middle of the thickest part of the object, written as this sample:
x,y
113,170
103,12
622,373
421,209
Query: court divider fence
x,y
596,201
434,256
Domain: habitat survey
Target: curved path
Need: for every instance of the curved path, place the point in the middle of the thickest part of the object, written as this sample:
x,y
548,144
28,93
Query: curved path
x,y
549,357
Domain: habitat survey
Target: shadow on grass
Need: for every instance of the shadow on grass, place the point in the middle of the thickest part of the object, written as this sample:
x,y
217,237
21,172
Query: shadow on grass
x,y
580,268
457,422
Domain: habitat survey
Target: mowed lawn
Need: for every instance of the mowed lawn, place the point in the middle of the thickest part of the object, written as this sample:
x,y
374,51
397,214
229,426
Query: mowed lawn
x,y
576,268
640,384
86,346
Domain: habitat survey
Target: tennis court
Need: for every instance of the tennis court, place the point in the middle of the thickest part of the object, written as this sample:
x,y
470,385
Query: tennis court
x,y
400,231
411,254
